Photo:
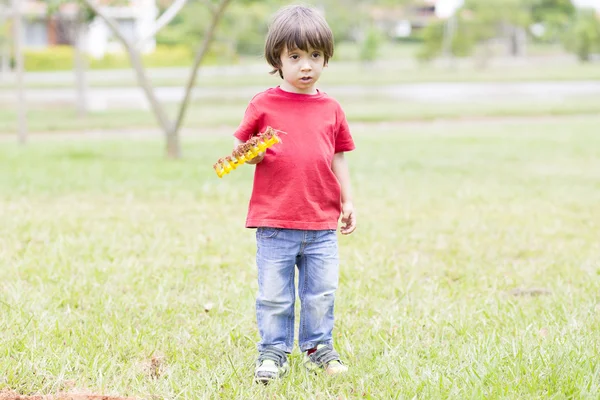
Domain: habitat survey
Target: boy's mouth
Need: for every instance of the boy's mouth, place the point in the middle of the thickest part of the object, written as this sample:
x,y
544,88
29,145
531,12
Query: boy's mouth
x,y
306,79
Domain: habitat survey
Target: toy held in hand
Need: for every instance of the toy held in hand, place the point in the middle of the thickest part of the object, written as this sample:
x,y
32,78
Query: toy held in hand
x,y
247,151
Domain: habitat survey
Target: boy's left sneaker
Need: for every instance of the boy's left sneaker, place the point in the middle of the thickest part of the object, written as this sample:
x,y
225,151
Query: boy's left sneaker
x,y
325,358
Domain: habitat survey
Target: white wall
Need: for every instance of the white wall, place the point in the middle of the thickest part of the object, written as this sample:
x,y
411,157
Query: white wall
x,y
142,13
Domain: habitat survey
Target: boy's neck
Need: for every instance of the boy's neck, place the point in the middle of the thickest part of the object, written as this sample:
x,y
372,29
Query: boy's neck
x,y
291,89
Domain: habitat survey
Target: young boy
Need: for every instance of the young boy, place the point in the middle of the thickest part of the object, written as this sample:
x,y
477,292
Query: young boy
x,y
301,186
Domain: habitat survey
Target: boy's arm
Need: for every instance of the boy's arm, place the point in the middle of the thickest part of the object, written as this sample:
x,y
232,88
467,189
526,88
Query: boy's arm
x,y
340,169
255,160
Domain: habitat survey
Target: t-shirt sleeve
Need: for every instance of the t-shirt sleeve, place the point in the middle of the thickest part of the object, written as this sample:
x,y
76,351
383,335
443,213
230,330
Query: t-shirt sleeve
x,y
249,125
343,138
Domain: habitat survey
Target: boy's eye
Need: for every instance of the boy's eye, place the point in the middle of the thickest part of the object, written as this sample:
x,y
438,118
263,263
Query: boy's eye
x,y
294,56
316,55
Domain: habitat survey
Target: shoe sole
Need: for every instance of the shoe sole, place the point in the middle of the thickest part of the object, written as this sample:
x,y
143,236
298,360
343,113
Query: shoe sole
x,y
334,372
263,380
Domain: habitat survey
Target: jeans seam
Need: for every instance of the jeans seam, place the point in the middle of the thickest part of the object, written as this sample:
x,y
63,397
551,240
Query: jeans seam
x,y
290,329
302,333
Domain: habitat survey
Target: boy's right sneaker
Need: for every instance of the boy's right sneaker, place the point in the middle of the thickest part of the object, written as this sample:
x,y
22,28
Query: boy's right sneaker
x,y
272,364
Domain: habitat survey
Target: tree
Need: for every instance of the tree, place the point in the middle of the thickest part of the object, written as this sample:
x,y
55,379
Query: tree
x,y
74,19
583,38
4,37
19,71
478,22
170,127
555,16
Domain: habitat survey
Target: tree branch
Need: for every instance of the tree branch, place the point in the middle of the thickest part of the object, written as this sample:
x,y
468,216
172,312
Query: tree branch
x,y
162,21
110,22
136,62
213,10
208,37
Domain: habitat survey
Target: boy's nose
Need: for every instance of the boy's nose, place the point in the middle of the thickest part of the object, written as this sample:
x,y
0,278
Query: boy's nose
x,y
306,66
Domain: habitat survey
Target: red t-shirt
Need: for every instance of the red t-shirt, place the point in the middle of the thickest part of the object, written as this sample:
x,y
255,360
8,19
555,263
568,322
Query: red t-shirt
x,y
294,185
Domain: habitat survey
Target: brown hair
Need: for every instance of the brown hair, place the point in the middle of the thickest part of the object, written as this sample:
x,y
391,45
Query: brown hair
x,y
297,27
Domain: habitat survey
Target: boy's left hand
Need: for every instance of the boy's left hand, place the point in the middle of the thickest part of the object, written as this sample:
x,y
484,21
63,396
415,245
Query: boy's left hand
x,y
348,219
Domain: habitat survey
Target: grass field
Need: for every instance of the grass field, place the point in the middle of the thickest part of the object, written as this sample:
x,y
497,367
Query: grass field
x,y
219,112
473,273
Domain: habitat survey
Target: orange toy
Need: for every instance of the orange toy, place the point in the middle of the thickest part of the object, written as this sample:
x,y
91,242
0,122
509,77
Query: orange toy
x,y
247,151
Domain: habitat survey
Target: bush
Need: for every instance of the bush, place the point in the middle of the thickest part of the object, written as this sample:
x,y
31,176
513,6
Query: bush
x,y
163,56
370,45
583,38
52,59
59,58
463,41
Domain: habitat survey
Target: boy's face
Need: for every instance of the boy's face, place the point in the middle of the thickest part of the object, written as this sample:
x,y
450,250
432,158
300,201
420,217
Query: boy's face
x,y
301,70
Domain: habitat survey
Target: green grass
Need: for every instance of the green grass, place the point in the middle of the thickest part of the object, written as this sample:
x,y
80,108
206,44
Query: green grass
x,y
109,255
218,112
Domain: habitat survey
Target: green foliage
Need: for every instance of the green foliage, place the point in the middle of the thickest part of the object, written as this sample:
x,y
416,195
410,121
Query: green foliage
x,y
186,28
583,39
467,33
343,16
550,10
241,30
555,15
86,14
245,23
477,21
490,13
51,59
371,44
244,27
4,30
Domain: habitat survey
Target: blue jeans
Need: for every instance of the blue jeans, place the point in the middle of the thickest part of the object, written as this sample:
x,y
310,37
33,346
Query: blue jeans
x,y
315,253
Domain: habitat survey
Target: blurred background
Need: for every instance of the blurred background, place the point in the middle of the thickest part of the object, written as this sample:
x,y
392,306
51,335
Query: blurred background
x,y
63,69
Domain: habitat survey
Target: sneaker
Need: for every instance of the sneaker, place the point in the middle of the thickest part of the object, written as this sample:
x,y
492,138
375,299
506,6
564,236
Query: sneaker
x,y
271,364
325,358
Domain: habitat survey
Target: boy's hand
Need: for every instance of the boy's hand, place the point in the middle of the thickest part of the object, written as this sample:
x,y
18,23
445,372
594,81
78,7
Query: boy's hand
x,y
257,159
348,219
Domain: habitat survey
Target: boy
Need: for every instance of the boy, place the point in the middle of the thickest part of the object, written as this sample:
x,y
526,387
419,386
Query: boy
x,y
301,186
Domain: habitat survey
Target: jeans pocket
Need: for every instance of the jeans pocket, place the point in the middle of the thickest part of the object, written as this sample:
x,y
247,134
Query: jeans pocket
x,y
267,233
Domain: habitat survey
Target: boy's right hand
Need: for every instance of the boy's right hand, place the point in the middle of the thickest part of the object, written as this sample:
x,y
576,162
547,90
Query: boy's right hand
x,y
257,159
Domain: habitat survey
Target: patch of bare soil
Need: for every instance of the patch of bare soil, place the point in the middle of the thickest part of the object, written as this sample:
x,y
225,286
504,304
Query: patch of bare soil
x,y
12,395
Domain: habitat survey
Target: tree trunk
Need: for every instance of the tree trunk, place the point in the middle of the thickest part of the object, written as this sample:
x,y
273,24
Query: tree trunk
x,y
4,57
4,44
520,42
19,71
447,45
173,145
484,53
80,67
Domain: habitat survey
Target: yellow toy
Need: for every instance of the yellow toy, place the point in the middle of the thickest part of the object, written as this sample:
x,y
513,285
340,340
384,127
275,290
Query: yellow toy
x,y
247,151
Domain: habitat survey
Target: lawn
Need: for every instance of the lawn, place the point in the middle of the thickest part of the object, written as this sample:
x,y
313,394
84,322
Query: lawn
x,y
219,112
473,273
